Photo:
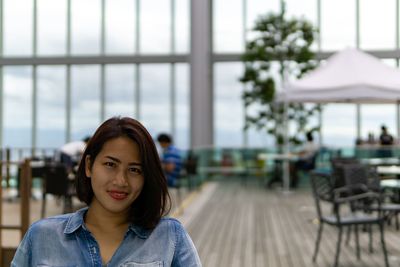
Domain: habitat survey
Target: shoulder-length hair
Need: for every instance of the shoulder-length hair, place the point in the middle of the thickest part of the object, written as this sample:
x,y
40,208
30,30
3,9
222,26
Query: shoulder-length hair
x,y
154,200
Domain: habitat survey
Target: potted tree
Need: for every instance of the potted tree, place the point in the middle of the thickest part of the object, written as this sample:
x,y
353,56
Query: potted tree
x,y
285,43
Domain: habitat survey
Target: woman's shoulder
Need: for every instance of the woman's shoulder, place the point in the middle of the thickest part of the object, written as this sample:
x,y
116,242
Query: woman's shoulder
x,y
170,222
169,225
54,223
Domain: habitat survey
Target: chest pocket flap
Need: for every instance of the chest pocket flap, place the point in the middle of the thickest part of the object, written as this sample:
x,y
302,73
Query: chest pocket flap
x,y
135,264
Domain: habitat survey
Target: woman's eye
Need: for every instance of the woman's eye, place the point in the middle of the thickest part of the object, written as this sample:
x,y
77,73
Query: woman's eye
x,y
109,164
135,170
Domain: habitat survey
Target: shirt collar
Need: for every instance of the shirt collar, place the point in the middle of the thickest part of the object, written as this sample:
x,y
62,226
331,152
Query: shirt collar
x,y
76,221
139,231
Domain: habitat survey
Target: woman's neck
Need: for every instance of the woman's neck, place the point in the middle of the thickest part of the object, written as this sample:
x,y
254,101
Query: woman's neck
x,y
107,228
100,219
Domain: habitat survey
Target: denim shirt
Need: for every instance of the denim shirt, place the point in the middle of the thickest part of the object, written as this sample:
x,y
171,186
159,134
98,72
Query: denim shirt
x,y
64,241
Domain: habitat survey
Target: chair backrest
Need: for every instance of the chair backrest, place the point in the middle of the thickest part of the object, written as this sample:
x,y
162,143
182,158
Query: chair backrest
x,y
55,179
322,187
360,174
338,170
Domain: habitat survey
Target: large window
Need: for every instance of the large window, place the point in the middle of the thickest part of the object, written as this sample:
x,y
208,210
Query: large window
x,y
155,92
334,15
155,26
228,105
182,98
256,8
85,100
17,106
51,106
52,36
374,116
228,26
182,16
339,125
86,26
72,97
17,27
378,31
121,25
120,97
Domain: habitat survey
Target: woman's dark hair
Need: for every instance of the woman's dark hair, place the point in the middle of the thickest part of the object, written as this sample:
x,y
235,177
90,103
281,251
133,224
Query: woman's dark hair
x,y
154,200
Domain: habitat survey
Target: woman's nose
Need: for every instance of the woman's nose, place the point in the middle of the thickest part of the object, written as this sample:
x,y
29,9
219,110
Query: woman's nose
x,y
120,178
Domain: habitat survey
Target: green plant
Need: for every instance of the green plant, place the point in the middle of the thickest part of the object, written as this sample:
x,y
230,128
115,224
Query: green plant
x,y
285,43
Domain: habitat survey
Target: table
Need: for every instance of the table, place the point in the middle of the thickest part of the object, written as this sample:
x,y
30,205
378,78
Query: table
x,y
282,172
390,184
394,185
380,161
388,170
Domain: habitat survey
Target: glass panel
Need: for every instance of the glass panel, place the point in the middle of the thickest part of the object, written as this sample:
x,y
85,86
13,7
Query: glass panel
x,y
228,105
182,25
120,90
374,116
377,24
51,120
228,26
258,138
256,8
335,14
305,8
85,100
51,27
17,106
86,26
182,111
155,29
339,125
155,99
120,26
18,27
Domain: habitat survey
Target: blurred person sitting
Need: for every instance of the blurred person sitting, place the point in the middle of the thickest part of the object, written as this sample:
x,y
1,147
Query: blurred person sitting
x,y
171,159
70,153
306,160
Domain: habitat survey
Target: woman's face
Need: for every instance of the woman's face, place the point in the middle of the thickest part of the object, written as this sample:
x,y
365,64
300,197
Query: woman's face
x,y
116,176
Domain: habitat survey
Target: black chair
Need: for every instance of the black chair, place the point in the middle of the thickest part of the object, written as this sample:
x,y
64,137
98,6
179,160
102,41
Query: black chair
x,y
365,178
57,183
340,212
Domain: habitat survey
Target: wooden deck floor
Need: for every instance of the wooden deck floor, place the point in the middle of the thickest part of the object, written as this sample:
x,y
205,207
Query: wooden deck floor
x,y
247,225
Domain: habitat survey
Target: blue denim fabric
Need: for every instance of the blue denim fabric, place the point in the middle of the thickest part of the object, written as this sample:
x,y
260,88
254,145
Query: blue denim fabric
x,y
64,241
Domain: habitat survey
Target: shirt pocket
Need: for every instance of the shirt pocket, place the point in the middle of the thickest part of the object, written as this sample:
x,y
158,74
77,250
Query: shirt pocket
x,y
136,264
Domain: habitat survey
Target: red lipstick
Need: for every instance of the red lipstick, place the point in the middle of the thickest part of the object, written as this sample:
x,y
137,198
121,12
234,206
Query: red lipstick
x,y
118,195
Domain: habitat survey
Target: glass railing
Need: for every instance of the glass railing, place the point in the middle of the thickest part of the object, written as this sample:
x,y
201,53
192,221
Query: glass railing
x,y
261,162
209,163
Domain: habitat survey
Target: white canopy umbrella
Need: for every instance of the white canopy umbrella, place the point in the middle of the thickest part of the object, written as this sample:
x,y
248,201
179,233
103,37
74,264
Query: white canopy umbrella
x,y
347,76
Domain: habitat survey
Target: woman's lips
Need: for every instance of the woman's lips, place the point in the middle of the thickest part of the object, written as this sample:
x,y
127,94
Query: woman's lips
x,y
118,195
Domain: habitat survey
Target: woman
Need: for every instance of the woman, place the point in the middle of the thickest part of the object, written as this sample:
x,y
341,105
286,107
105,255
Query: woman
x,y
121,180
